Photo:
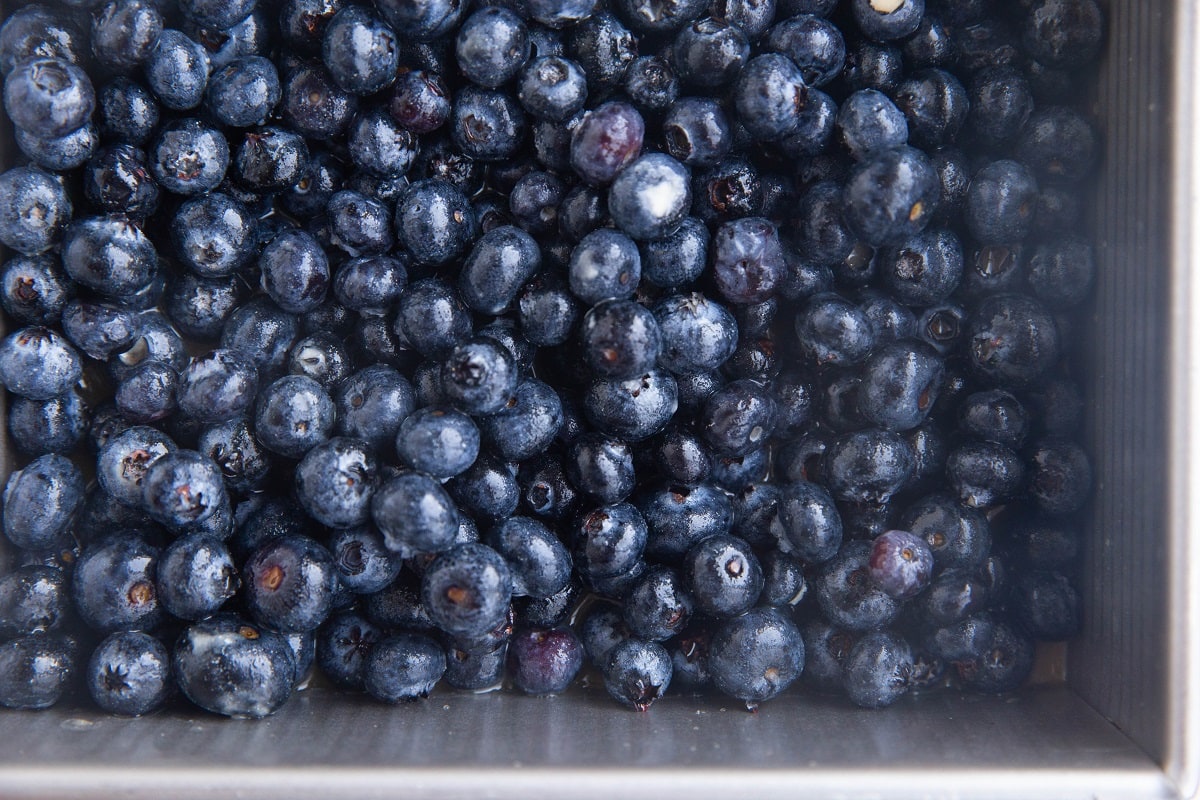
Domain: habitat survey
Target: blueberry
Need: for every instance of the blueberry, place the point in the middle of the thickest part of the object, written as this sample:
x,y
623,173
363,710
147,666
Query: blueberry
x,y
891,196
244,92
434,221
491,46
361,52
109,254
183,489
415,514
380,146
314,106
545,661
217,13
467,590
868,122
129,674
500,262
607,140
887,21
293,415
195,576
362,559
809,526
540,564
419,101
432,318
116,179
487,125
900,563
188,157
479,376
814,44
269,159
38,363
756,656
1001,202
659,604
825,650
651,84
723,575
636,673
35,210
177,70
1059,144
1011,341
1061,272
605,264
678,516
148,392
878,669
37,31
35,669
710,52
747,260
526,425
995,415
650,197
48,97
32,598
57,425
344,644
784,583
290,583
214,235
335,481
113,584
604,48
1063,33
227,666
1003,663
935,104
609,540
768,95
900,385
870,65
1060,476
263,331
371,404
738,418
957,535
847,596
403,667
632,409
438,441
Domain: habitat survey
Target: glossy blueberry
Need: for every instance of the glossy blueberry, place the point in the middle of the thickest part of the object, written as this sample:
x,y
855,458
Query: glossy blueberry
x,y
292,415
784,584
697,131
935,104
322,356
335,481
113,584
380,146
846,595
196,576
609,541
124,32
467,590
39,501
487,125
434,221
214,235
698,334
244,92
527,425
219,14
432,318
32,598
545,661
682,456
650,197
1011,340
957,535
723,576
900,384
183,488
57,425
984,473
361,52
1061,272
604,48
148,392
868,122
868,466
877,669
263,331
651,84
34,211
109,254
188,157
809,526
414,514
1063,33
48,97
491,46
1001,202
900,563
890,196
314,105
343,645
632,409
177,70
228,666
620,338
1060,476
1002,665
34,290
825,650
35,670
295,271
710,52
925,269
737,418
756,656
499,263
539,563
607,140
605,264
768,95
813,43
995,415
679,516
129,674
747,260
35,31
729,189
438,441
636,673
372,403
601,467
290,583
37,363
420,101
658,605
116,180
403,667
362,559
677,259
218,386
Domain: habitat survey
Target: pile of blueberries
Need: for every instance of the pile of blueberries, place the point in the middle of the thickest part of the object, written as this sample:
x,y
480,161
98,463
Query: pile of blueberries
x,y
702,343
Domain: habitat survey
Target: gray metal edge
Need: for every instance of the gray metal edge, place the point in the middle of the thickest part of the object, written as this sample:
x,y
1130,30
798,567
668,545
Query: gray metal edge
x,y
1183,750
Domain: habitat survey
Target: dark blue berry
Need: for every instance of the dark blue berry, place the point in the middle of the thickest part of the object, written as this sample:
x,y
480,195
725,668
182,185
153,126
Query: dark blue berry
x,y
756,656
227,666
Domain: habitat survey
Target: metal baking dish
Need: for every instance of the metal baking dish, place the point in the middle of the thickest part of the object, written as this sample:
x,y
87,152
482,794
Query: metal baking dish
x,y
1118,714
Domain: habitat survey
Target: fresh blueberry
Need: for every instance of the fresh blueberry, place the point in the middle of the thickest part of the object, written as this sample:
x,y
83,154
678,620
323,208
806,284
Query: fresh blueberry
x,y
438,441
878,669
32,598
214,235
434,221
314,105
491,46
710,52
188,157
632,409
756,656
35,671
539,563
48,97
363,561
262,331
227,666
769,94
813,43
636,673
957,535
177,70
420,101
1001,202
35,210
500,262
1060,476
403,667
344,644
747,260
1011,340
196,576
677,259
1001,665
293,415
57,425
603,47
651,84
113,584
607,140
487,125
129,674
650,197
1063,33
723,575
847,596
361,52
244,92
289,584
809,526
414,514
467,590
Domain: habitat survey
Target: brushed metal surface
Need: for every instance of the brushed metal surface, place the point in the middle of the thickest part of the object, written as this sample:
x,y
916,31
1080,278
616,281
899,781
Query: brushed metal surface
x,y
1041,743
